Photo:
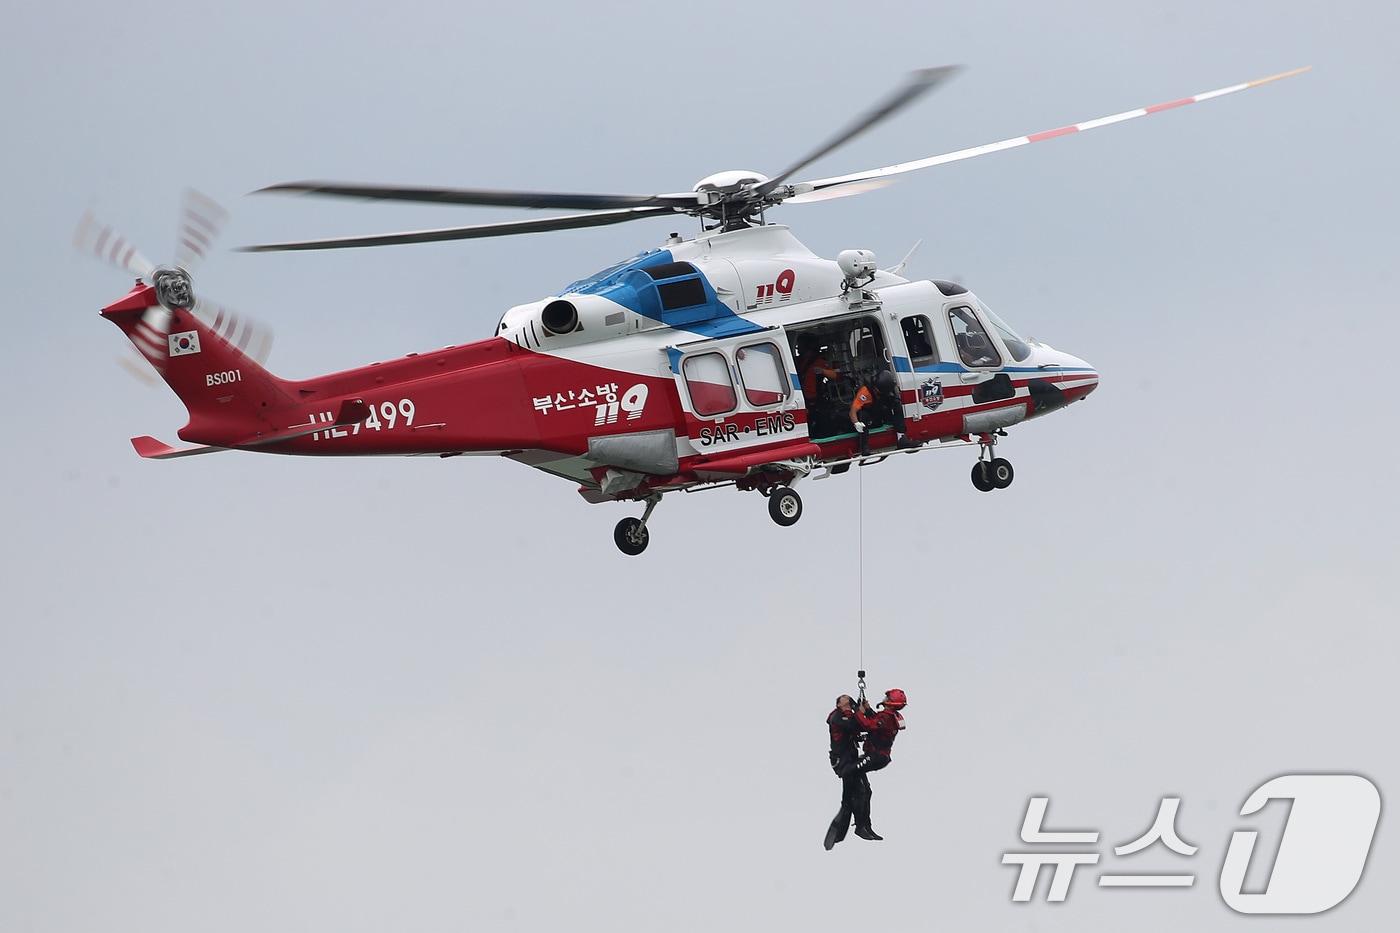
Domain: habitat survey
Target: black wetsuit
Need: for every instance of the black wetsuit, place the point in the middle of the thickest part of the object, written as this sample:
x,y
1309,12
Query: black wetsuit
x,y
845,731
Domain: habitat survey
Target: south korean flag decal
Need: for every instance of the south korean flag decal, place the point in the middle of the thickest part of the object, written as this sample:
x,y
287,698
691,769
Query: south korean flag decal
x,y
184,344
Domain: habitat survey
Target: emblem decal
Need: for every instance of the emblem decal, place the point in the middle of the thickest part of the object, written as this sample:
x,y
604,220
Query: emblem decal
x,y
781,289
931,394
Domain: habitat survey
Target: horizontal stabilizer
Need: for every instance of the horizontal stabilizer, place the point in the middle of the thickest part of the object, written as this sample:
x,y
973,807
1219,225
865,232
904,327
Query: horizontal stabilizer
x,y
352,411
152,449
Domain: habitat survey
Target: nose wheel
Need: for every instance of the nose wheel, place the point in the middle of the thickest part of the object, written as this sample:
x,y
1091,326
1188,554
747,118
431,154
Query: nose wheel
x,y
631,535
991,472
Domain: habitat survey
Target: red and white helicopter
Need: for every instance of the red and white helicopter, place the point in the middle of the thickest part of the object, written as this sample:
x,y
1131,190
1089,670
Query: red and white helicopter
x,y
677,369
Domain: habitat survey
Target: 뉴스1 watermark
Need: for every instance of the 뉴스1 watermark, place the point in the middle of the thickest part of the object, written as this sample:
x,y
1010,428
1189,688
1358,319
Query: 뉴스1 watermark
x,y
1321,853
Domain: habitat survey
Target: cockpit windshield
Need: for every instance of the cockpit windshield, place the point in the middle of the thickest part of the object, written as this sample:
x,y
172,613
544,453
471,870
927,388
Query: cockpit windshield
x,y
1019,349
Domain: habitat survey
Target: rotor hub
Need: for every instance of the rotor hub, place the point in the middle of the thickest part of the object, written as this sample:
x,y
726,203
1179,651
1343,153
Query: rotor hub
x,y
732,197
729,182
173,287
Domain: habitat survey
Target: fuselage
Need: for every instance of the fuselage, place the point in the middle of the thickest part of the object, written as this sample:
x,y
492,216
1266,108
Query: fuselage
x,y
686,365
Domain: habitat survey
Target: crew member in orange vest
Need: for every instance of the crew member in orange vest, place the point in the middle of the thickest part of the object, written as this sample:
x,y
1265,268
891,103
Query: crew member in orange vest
x,y
877,402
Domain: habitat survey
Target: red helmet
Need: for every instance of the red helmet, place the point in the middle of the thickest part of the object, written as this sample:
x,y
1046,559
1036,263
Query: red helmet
x,y
895,699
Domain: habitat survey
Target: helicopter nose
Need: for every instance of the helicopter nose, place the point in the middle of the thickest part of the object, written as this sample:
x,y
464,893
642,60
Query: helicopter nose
x,y
1075,378
1080,378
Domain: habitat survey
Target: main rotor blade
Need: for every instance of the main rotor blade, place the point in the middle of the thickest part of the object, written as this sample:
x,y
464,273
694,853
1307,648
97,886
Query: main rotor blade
x,y
508,228
915,86
485,197
201,219
841,191
100,240
817,185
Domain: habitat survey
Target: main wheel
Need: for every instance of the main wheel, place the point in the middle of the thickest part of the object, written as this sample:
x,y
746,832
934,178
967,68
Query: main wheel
x,y
1001,473
982,476
631,536
784,506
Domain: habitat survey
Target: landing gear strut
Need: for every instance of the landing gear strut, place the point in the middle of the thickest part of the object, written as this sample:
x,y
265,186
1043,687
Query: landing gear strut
x,y
631,535
991,472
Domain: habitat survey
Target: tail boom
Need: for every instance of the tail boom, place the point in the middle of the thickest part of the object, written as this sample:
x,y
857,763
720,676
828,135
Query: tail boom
x,y
230,397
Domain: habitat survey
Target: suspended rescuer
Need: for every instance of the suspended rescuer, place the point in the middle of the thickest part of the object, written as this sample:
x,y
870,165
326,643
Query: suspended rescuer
x,y
881,730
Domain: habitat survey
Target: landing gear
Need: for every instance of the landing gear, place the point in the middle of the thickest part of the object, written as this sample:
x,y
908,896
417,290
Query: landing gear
x,y
991,472
784,505
1001,471
981,476
631,535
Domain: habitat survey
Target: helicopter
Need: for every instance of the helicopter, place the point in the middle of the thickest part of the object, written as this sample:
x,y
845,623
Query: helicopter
x,y
682,368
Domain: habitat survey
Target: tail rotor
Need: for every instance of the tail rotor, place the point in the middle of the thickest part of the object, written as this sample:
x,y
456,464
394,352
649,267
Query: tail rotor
x,y
106,244
201,221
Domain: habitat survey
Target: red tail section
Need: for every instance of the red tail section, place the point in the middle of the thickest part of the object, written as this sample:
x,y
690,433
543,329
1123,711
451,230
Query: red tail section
x,y
228,394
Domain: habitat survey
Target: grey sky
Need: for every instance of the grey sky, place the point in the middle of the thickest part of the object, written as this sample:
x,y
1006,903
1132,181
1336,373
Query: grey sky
x,y
250,693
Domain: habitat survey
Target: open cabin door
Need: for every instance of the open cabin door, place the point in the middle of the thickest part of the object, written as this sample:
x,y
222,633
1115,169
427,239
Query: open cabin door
x,y
837,355
739,393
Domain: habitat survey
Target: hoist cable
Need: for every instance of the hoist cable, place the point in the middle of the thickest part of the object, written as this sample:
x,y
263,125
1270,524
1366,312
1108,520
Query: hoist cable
x,y
860,561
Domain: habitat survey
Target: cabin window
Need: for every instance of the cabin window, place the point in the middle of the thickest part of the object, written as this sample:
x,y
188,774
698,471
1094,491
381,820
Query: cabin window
x,y
711,389
763,374
918,337
974,346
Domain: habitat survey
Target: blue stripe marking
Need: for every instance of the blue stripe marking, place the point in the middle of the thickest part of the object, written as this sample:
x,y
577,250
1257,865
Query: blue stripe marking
x,y
730,325
901,365
958,368
1047,369
590,285
629,285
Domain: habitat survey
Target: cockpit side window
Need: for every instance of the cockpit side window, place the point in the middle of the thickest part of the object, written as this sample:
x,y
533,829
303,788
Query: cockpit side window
x,y
974,346
918,337
1020,350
